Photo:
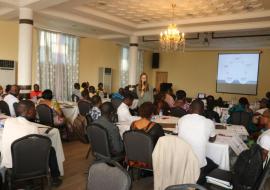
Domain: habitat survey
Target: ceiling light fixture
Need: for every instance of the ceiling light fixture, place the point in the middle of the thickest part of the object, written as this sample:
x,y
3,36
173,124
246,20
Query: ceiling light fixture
x,y
171,39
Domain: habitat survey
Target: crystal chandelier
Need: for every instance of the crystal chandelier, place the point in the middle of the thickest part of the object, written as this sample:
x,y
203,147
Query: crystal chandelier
x,y
171,39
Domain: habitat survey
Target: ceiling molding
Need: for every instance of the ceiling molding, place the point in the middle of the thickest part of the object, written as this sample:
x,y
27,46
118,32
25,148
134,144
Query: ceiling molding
x,y
79,19
108,37
232,17
59,30
5,10
211,28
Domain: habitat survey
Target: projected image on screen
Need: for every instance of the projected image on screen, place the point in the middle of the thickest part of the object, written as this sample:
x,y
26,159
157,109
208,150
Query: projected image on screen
x,y
238,73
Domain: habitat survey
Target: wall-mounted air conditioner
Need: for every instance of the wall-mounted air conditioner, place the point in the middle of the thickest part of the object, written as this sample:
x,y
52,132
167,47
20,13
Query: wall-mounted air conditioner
x,y
7,72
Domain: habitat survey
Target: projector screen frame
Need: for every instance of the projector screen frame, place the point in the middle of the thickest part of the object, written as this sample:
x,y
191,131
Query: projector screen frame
x,y
258,72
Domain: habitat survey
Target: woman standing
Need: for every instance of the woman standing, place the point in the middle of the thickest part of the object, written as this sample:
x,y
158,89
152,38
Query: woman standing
x,y
144,90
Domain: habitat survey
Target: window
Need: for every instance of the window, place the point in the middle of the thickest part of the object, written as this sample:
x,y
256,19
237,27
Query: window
x,y
124,66
58,63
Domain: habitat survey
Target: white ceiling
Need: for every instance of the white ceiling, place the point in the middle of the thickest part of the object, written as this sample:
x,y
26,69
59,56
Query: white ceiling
x,y
117,20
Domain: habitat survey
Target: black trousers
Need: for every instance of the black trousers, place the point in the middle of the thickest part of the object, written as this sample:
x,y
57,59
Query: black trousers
x,y
206,170
53,165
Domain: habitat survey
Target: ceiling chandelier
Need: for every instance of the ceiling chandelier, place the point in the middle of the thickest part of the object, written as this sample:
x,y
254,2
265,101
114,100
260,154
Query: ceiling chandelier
x,y
171,39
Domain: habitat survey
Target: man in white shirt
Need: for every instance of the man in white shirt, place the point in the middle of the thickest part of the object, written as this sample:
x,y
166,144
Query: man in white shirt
x,y
15,128
11,98
264,138
197,130
264,141
123,110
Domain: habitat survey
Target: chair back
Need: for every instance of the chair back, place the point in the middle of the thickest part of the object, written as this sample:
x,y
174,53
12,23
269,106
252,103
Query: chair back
x,y
263,178
4,108
185,187
212,115
178,112
89,119
15,105
74,98
170,168
84,107
104,175
138,146
99,140
116,103
30,156
241,118
45,115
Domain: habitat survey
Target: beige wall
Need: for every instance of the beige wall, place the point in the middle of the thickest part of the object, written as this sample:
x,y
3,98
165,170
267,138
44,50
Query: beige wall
x,y
196,71
96,53
9,34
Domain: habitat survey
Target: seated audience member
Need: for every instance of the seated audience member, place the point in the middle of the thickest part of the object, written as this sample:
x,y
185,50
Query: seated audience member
x,y
263,106
146,112
123,110
95,111
106,121
58,116
85,96
92,91
243,106
197,130
11,98
267,95
169,98
209,111
84,86
7,89
36,93
119,95
1,92
21,126
76,90
162,107
264,138
100,90
155,93
218,106
181,100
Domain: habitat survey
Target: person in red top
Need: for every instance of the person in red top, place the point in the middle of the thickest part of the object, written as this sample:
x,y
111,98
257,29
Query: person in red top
x,y
36,93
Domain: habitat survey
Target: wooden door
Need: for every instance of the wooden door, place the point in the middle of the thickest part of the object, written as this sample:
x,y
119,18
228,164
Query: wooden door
x,y
161,77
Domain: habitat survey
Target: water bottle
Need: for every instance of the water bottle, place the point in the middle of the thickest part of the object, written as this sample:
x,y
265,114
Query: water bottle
x,y
160,113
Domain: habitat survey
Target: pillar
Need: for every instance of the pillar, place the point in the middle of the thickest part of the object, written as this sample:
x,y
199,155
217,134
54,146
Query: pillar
x,y
25,51
133,59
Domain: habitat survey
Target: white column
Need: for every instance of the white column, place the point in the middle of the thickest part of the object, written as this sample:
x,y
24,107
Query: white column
x,y
133,59
25,51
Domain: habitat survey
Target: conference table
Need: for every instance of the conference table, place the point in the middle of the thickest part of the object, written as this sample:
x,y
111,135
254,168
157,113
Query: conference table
x,y
53,134
219,151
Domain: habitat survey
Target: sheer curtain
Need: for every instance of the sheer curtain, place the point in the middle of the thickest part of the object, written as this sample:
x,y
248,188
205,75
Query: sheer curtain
x,y
124,66
58,63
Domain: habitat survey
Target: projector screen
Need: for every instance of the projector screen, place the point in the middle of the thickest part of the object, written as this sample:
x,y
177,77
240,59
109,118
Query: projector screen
x,y
238,73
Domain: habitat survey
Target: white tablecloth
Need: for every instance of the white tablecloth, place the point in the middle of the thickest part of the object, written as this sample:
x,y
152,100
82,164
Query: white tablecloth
x,y
219,153
233,130
166,120
54,135
70,111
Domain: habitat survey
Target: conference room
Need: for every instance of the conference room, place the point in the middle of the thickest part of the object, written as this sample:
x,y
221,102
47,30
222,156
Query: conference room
x,y
154,94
